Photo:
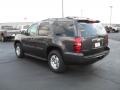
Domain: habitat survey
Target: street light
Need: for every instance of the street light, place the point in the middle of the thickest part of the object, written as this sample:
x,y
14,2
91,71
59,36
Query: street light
x,y
110,14
62,9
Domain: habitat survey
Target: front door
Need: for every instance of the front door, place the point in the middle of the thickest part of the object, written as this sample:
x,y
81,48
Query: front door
x,y
29,42
42,40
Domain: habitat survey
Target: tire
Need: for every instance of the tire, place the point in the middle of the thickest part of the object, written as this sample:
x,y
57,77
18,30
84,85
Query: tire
x,y
2,38
18,50
116,31
56,62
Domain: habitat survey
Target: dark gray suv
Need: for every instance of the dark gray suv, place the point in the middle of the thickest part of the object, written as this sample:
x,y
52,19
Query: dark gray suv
x,y
62,41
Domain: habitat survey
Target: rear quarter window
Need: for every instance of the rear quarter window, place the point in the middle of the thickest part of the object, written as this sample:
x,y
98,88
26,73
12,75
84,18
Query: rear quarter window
x,y
63,28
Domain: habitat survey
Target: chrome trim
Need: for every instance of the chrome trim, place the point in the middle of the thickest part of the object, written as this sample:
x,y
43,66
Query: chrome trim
x,y
30,46
77,54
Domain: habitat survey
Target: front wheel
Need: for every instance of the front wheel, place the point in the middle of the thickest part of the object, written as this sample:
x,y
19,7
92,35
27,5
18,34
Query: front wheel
x,y
56,62
18,50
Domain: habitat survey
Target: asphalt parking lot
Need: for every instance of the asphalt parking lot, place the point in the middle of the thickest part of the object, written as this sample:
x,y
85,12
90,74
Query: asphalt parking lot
x,y
114,36
32,74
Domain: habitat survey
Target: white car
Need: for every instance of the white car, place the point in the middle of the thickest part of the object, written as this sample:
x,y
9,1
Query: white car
x,y
115,29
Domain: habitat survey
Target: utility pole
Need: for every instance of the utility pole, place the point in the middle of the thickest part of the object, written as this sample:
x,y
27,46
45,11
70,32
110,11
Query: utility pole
x,y
110,14
62,9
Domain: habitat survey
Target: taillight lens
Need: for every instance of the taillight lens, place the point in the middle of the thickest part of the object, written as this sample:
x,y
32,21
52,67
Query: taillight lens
x,y
77,45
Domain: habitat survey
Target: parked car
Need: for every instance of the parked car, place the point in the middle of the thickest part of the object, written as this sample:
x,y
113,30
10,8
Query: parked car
x,y
115,29
62,41
108,29
24,27
7,32
112,29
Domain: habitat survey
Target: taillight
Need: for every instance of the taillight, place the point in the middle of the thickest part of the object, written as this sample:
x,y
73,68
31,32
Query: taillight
x,y
77,45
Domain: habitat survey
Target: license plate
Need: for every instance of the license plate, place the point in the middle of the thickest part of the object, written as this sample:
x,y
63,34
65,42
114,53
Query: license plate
x,y
97,44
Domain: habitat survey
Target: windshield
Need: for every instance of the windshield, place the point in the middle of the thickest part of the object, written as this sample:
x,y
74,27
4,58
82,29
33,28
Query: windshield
x,y
91,29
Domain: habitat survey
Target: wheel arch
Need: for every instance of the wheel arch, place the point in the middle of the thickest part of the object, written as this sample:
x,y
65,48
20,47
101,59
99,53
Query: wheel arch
x,y
17,41
50,48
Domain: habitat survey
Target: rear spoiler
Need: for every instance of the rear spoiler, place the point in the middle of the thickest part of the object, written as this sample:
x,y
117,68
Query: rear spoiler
x,y
89,21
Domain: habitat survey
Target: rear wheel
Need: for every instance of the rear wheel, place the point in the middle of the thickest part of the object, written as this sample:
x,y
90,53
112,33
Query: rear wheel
x,y
56,62
114,30
19,51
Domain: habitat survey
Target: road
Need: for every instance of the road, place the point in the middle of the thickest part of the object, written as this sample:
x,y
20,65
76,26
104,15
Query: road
x,y
32,74
114,36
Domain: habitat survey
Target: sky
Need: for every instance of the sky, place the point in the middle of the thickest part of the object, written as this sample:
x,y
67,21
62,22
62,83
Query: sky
x,y
36,10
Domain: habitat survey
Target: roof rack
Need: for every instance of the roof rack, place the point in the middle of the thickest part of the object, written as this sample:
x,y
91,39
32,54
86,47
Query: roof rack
x,y
83,19
79,19
74,17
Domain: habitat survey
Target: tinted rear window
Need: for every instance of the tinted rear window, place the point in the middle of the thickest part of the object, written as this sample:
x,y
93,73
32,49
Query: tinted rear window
x,y
91,29
63,28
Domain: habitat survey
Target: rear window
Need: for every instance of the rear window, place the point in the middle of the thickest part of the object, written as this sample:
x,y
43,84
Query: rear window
x,y
91,29
63,28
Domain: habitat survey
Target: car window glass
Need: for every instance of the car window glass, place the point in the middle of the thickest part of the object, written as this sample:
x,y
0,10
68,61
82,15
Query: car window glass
x,y
91,29
33,30
63,28
44,29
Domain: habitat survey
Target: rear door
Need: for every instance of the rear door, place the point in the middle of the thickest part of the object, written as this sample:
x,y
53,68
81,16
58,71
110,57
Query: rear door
x,y
94,37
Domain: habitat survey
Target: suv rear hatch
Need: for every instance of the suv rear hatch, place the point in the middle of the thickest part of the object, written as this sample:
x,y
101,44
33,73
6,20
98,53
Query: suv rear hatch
x,y
94,37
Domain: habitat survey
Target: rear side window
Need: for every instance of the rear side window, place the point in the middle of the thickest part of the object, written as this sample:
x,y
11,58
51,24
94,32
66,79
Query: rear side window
x,y
44,29
91,29
63,28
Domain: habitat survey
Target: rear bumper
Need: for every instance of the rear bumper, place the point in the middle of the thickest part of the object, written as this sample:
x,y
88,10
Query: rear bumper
x,y
77,58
